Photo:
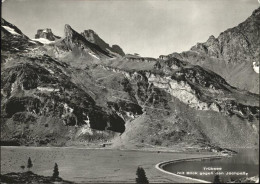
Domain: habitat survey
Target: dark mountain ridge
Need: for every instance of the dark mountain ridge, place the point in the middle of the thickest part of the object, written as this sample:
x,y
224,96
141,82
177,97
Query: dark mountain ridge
x,y
233,55
92,37
14,40
73,39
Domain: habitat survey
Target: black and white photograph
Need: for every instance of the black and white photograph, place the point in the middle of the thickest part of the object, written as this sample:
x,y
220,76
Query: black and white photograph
x,y
129,91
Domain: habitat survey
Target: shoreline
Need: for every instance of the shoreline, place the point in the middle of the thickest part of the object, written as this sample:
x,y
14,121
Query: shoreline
x,y
161,164
116,165
109,148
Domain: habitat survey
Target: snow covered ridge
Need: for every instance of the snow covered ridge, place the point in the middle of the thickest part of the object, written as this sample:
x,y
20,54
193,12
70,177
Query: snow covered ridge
x,y
43,40
10,30
256,67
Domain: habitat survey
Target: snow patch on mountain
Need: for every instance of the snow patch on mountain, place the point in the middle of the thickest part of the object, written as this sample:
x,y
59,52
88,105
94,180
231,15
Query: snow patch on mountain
x,y
43,40
50,71
47,89
10,30
32,42
93,55
113,53
256,67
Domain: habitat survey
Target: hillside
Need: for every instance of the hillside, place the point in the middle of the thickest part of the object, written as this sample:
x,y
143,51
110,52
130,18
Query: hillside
x,y
72,92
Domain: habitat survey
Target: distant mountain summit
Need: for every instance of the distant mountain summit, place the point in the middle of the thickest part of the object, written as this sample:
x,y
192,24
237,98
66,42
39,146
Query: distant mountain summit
x,y
74,40
47,34
85,44
235,45
92,37
234,54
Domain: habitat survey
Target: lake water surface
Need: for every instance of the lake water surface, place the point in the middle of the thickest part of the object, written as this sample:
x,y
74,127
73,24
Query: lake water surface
x,y
229,168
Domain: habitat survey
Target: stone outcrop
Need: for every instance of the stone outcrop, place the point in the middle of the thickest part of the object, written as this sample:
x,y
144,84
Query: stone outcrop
x,y
93,37
117,49
164,57
134,58
47,34
74,40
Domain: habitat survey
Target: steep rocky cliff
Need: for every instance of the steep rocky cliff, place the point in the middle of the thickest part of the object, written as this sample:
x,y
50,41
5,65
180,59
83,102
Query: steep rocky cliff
x,y
13,40
188,106
38,95
92,37
75,40
47,34
233,55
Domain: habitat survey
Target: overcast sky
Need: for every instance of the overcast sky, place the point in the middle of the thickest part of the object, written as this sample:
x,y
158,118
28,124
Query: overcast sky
x,y
147,27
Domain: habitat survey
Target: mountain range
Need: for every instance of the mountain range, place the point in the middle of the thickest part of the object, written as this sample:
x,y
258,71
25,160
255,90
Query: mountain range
x,y
76,89
234,54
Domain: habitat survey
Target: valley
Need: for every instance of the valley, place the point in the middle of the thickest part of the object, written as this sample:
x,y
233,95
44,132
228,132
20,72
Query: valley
x,y
93,108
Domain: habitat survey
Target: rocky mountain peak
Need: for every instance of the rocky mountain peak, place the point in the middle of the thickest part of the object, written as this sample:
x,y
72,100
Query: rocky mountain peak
x,y
68,30
256,12
118,49
93,37
235,53
88,38
13,40
4,22
72,38
10,28
47,34
75,40
211,38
